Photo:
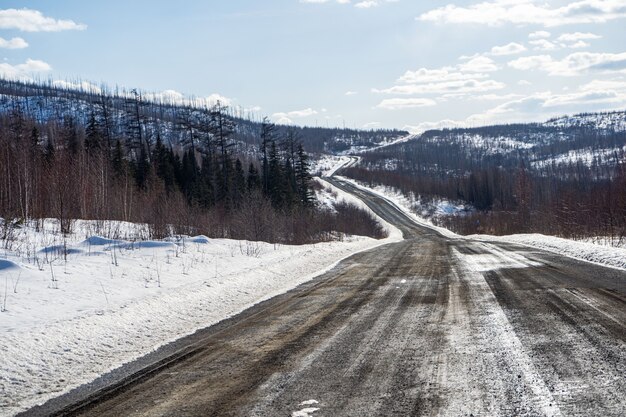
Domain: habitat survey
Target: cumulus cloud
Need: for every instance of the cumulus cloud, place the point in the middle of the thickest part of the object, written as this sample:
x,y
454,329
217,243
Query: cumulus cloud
x,y
525,12
363,4
351,93
574,64
543,45
80,85
424,126
286,118
577,36
176,97
28,20
14,43
24,71
425,75
405,103
508,49
447,82
540,34
446,87
479,64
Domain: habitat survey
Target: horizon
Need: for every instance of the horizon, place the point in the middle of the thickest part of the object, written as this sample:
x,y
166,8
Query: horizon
x,y
364,65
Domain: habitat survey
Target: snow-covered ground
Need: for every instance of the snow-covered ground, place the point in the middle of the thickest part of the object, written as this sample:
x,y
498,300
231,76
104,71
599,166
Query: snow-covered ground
x,y
76,307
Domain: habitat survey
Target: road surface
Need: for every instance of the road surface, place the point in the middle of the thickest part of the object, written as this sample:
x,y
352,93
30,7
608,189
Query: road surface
x,y
430,326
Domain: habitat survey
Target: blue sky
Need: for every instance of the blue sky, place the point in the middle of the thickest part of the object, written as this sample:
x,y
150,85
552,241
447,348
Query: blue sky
x,y
373,63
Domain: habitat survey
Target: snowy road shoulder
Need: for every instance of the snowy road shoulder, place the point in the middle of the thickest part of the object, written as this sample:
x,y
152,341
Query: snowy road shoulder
x,y
107,302
585,251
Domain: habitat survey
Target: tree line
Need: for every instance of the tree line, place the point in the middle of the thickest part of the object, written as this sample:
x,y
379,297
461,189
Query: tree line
x,y
100,163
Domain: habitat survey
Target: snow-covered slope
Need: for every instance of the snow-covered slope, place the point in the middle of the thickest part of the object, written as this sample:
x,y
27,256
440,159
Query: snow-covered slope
x,y
615,121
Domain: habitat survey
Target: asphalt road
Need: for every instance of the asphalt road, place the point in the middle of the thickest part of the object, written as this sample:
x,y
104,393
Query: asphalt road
x,y
427,326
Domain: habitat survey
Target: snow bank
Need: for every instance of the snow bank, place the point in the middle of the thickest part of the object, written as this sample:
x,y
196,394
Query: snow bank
x,y
80,306
590,252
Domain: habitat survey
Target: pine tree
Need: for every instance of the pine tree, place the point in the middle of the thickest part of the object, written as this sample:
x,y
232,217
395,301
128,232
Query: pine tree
x,y
303,178
267,137
93,137
239,184
275,177
253,181
118,162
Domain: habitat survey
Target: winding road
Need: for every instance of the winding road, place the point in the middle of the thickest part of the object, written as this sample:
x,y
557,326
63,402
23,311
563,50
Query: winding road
x,y
429,326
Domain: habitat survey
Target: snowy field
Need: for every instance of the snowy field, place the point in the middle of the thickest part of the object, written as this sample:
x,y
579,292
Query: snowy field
x,y
79,306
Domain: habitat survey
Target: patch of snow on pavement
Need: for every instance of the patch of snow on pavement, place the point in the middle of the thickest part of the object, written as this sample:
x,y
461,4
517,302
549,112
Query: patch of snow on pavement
x,y
305,412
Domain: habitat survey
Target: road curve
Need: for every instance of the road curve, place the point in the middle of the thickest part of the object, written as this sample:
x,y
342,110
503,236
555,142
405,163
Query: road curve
x,y
423,327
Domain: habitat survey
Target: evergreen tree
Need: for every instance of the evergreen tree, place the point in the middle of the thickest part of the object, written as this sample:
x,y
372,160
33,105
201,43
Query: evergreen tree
x,y
267,137
254,180
239,183
93,137
275,177
162,160
303,177
118,162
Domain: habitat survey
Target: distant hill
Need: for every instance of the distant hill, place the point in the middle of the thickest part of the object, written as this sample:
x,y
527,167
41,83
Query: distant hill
x,y
173,122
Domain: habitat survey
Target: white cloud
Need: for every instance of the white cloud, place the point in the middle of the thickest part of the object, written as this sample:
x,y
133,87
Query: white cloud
x,y
287,117
496,97
543,45
424,75
405,103
14,43
424,126
371,125
175,97
524,82
351,93
82,85
363,4
28,20
525,12
460,87
577,36
540,34
508,49
574,64
578,45
479,64
366,4
24,71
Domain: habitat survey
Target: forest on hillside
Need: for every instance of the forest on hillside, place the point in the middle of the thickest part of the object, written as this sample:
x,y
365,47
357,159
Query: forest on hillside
x,y
566,181
106,159
177,122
